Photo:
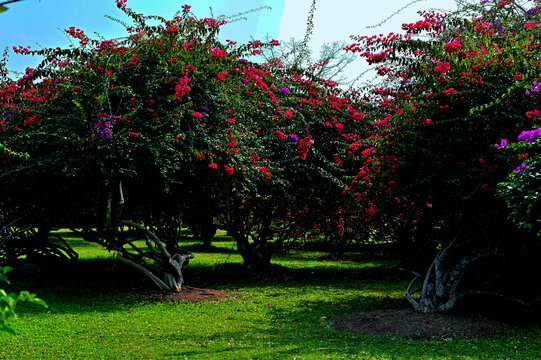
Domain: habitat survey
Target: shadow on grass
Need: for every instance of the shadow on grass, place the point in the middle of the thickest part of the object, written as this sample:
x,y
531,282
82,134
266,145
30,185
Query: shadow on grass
x,y
79,286
297,323
304,330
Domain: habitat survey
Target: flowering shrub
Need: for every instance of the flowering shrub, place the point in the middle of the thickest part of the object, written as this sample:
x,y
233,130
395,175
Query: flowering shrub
x,y
522,188
431,170
169,125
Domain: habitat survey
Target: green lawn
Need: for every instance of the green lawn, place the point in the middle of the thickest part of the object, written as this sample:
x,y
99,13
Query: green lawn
x,y
94,313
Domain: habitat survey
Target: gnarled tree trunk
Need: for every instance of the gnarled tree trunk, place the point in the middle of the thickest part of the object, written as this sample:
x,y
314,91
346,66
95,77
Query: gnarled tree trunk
x,y
171,263
444,282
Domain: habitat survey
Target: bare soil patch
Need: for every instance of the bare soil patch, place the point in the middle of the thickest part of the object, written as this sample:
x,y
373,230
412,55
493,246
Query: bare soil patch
x,y
191,294
408,323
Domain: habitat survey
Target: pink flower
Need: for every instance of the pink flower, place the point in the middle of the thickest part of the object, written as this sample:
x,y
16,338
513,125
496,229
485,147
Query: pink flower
x,y
453,46
379,57
442,67
217,53
182,87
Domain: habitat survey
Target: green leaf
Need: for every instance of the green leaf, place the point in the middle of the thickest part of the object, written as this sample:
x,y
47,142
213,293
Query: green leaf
x,y
39,302
2,8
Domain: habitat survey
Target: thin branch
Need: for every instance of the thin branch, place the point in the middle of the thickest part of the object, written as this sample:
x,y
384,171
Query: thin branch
x,y
9,2
149,233
154,278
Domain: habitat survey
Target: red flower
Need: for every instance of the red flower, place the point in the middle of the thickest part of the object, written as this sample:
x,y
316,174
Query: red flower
x,y
213,166
221,76
217,53
186,7
182,87
304,147
231,120
265,171
449,92
172,29
197,114
228,170
453,46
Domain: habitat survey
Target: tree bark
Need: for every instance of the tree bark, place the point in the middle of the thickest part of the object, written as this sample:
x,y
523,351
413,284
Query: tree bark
x,y
171,263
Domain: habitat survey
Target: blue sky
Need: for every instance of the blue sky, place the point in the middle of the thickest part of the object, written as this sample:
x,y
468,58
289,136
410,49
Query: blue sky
x,y
32,21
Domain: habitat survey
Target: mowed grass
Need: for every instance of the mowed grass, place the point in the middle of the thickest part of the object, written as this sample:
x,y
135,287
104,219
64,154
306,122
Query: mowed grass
x,y
98,310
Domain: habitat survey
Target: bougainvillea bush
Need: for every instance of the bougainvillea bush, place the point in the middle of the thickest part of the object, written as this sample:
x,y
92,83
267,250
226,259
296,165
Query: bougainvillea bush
x,y
169,125
454,85
522,188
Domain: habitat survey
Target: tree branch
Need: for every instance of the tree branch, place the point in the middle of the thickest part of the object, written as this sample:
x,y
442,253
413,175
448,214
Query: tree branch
x,y
154,278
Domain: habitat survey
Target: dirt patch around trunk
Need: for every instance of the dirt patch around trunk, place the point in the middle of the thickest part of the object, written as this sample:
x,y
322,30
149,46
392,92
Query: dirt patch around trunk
x,y
408,323
191,294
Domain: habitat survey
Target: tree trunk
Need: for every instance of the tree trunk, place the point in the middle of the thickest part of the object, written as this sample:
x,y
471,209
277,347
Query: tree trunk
x,y
171,263
256,253
452,276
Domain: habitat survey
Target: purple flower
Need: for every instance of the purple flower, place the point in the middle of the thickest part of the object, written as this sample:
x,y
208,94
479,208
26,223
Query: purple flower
x,y
502,144
204,108
533,11
285,90
245,81
528,135
522,167
294,137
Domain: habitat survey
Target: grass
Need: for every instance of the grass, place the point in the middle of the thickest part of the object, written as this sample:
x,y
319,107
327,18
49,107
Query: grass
x,y
94,313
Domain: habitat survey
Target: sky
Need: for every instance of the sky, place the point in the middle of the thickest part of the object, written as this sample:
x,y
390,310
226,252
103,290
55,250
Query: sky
x,y
36,23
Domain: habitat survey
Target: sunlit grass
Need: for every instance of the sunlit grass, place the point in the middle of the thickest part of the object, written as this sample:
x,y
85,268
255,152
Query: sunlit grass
x,y
96,312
